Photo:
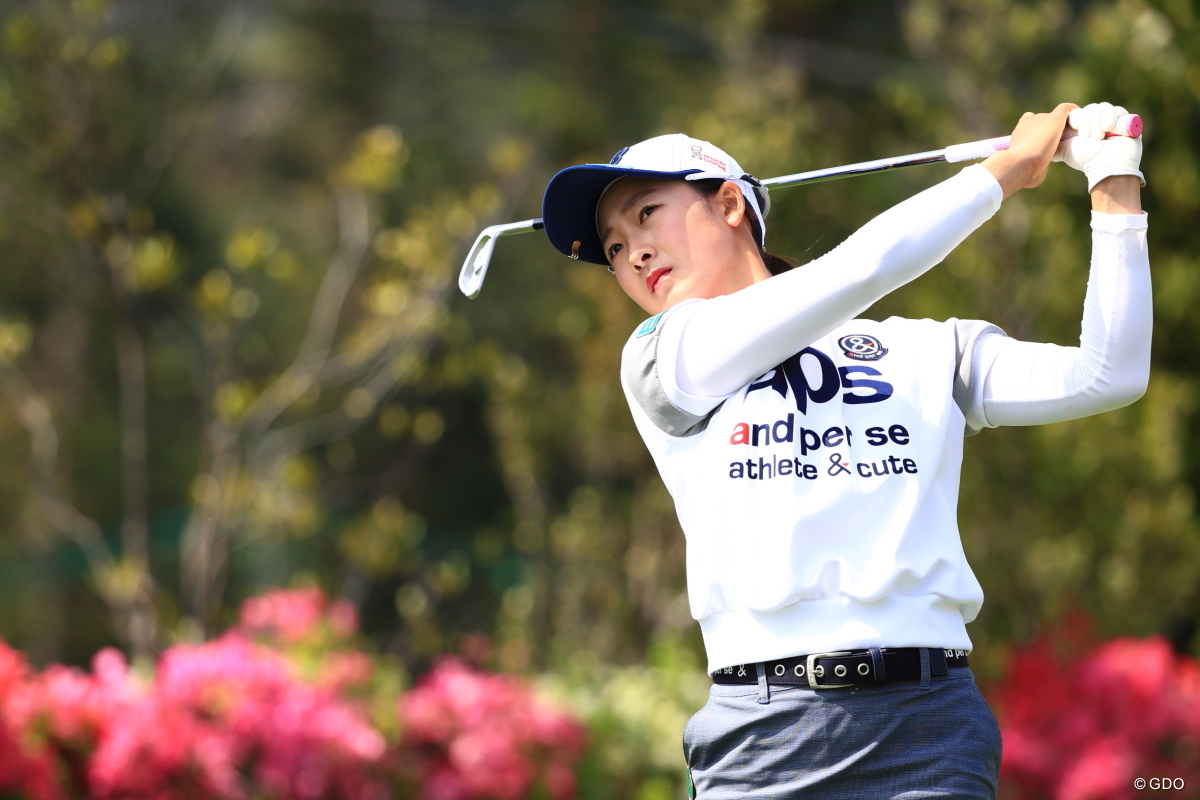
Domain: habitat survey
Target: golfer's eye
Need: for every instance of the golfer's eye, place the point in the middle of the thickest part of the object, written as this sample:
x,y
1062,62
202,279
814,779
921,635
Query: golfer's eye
x,y
646,212
613,250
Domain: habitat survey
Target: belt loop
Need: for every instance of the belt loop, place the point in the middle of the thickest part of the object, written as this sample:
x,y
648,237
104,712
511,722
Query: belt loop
x,y
764,691
924,669
880,671
937,661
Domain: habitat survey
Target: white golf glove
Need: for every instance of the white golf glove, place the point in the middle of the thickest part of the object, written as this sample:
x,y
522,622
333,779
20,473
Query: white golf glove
x,y
1096,157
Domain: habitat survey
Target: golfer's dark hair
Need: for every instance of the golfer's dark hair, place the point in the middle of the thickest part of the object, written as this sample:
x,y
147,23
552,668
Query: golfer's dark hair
x,y
775,264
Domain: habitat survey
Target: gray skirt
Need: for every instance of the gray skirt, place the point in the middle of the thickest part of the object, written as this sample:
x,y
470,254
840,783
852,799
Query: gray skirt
x,y
903,740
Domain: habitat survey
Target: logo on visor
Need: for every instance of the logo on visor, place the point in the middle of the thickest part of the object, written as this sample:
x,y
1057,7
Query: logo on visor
x,y
698,154
861,347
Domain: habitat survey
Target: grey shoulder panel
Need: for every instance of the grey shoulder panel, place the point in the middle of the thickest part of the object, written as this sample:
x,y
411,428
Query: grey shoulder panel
x,y
639,369
966,334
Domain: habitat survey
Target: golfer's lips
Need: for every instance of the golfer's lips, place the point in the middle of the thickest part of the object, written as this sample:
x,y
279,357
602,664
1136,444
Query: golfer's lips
x,y
656,275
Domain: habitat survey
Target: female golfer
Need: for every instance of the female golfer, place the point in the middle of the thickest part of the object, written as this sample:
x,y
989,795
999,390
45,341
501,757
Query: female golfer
x,y
814,457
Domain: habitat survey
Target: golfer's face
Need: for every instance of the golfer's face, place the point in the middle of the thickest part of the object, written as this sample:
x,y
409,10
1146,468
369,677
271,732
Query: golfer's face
x,y
661,237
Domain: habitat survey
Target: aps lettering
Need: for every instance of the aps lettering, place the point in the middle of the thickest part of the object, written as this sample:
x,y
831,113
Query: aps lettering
x,y
790,374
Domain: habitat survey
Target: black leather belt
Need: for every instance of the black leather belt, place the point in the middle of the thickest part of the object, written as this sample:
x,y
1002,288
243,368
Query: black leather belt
x,y
838,669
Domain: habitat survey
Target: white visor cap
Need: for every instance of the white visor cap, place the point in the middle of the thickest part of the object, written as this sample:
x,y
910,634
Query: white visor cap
x,y
678,152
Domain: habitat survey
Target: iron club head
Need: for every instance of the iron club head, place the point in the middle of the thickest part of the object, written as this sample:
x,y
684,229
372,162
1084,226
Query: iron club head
x,y
474,268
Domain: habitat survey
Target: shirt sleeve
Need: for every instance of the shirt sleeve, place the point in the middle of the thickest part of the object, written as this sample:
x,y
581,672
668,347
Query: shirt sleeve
x,y
1029,383
967,335
647,358
715,347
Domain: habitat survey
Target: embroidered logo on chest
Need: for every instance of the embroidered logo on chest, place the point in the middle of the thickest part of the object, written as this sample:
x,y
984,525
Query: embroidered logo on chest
x,y
862,347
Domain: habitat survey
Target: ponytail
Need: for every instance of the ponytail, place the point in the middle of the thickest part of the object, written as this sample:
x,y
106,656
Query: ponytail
x,y
776,265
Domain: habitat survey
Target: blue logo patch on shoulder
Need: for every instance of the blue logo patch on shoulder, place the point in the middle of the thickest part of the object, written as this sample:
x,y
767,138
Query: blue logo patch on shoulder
x,y
647,327
862,347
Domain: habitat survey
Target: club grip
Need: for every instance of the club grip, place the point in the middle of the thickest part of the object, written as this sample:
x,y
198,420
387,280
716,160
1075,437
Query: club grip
x,y
1127,125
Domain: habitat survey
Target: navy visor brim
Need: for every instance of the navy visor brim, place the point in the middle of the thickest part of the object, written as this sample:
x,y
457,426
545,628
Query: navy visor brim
x,y
569,206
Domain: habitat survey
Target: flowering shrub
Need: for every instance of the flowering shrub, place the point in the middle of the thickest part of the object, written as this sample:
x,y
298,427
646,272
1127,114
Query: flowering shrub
x,y
479,736
1084,727
271,717
227,708
226,719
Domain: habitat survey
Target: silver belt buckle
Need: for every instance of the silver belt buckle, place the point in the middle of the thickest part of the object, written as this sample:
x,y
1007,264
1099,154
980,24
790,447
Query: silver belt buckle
x,y
811,671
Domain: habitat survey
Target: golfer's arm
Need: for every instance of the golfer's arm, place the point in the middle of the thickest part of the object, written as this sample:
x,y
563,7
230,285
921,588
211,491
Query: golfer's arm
x,y
720,345
1027,383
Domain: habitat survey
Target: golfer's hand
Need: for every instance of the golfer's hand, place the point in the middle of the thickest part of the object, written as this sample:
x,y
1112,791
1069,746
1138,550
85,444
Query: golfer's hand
x,y
1093,155
1035,142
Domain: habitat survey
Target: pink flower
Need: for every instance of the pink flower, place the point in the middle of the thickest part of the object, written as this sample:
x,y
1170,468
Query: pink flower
x,y
27,764
296,739
289,614
1103,770
479,735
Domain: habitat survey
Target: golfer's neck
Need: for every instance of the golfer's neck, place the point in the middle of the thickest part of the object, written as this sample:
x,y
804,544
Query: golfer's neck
x,y
747,269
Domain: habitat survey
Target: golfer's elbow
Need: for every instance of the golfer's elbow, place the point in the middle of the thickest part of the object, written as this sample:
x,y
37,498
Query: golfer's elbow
x,y
1131,389
1111,387
904,259
1133,379
886,268
1121,389
1121,376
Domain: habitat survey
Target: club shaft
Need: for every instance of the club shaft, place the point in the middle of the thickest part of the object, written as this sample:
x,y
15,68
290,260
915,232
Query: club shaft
x,y
815,176
852,170
1126,125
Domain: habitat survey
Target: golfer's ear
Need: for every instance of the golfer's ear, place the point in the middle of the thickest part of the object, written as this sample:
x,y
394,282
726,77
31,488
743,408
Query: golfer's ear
x,y
733,205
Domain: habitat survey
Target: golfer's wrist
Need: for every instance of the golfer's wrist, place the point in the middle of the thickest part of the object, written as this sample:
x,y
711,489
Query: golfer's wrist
x,y
1118,194
1012,169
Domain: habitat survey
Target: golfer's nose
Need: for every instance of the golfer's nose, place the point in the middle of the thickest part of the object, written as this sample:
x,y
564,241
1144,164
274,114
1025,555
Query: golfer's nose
x,y
642,256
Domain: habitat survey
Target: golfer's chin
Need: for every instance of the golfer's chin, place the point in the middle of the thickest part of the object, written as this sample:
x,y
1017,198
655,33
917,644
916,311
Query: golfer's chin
x,y
654,302
675,293
669,292
660,301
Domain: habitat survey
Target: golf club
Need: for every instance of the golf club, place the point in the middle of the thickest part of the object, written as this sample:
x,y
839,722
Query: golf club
x,y
474,269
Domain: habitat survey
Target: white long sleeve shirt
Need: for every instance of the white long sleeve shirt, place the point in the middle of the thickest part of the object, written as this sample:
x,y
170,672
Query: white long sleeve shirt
x,y
814,457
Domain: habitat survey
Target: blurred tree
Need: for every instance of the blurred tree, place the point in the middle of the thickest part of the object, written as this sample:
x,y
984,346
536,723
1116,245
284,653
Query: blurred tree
x,y
91,159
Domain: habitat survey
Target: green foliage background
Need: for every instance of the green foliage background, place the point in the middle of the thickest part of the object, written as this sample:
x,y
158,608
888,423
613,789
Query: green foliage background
x,y
233,356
